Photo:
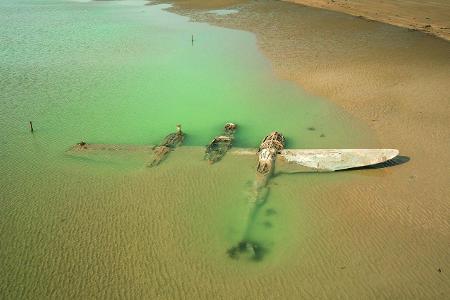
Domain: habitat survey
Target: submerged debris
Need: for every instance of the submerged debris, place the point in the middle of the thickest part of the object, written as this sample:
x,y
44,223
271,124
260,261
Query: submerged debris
x,y
219,146
253,250
267,224
169,143
82,145
270,212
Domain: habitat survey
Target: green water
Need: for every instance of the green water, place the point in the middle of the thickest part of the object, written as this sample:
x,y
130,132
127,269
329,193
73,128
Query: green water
x,y
121,72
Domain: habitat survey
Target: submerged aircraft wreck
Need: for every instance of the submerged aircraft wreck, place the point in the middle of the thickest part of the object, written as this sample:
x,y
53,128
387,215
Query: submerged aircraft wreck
x,y
219,146
267,154
270,151
272,157
169,143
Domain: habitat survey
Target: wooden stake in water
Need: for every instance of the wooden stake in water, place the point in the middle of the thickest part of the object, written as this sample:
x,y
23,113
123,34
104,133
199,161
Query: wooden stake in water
x,y
192,40
31,127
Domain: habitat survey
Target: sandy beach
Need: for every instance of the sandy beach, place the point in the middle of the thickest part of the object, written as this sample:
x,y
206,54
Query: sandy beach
x,y
428,16
392,224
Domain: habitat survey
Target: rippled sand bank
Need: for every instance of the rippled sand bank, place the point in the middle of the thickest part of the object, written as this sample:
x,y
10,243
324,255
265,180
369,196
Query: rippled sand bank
x,y
428,16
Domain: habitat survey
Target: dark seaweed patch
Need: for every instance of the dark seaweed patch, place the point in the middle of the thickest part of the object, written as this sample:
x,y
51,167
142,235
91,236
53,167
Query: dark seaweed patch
x,y
267,224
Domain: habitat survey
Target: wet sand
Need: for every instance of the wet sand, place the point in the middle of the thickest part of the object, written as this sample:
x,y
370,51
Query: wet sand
x,y
202,4
390,228
428,16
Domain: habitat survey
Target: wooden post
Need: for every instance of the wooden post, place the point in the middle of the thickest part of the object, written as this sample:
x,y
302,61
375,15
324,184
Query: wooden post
x,y
31,127
192,40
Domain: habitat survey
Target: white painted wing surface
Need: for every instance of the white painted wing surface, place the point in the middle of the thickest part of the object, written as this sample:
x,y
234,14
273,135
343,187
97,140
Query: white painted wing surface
x,y
334,159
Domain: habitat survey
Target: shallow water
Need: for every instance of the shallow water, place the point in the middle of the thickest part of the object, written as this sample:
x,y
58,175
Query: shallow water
x,y
106,226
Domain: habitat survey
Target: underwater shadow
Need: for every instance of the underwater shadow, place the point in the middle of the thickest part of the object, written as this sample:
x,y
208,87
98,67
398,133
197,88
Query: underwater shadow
x,y
398,160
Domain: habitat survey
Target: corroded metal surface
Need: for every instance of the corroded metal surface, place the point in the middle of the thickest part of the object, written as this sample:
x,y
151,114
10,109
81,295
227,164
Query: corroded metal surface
x,y
268,150
219,146
169,143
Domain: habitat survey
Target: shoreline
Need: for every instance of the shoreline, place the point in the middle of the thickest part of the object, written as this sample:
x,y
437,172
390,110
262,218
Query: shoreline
x,y
431,18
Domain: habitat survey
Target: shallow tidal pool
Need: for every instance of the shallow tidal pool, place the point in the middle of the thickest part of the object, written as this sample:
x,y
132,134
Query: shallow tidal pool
x,y
122,72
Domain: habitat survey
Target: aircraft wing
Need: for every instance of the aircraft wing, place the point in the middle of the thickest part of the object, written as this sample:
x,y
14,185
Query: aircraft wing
x,y
328,160
288,160
119,148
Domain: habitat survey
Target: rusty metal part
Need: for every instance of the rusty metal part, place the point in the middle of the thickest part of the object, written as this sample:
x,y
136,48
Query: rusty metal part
x,y
219,146
268,150
169,143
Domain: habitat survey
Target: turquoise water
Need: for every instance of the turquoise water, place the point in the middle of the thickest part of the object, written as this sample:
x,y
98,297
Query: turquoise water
x,y
121,72
116,73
